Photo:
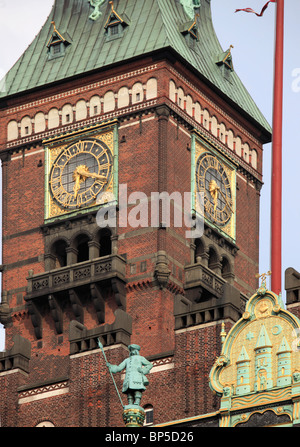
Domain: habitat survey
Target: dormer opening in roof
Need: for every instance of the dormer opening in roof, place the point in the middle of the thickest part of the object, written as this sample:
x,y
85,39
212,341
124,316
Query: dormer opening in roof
x,y
190,31
224,61
97,5
57,43
115,24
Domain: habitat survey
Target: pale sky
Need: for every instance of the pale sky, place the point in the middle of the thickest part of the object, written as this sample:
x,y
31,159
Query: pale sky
x,y
253,56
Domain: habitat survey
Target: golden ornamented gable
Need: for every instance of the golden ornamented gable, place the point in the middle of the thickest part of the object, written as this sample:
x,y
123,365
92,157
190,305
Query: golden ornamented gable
x,y
259,366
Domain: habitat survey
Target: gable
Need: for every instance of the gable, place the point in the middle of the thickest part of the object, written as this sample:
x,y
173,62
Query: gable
x,y
57,43
259,364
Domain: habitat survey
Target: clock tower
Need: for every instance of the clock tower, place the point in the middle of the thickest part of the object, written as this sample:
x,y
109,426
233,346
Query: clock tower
x,y
113,105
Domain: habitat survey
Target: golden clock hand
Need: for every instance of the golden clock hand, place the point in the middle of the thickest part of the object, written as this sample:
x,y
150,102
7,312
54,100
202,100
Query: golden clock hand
x,y
80,175
226,200
84,172
213,189
77,185
215,201
97,176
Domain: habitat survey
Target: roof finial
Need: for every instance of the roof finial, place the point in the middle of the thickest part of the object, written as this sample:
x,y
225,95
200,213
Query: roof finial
x,y
223,332
54,26
263,287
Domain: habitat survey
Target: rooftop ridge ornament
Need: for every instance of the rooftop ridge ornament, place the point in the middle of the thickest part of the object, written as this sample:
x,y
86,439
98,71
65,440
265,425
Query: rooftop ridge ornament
x,y
189,6
263,287
114,13
54,26
96,4
223,332
55,30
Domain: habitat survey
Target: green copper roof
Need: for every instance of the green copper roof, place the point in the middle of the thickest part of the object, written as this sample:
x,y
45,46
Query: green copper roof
x,y
151,25
263,340
243,357
284,346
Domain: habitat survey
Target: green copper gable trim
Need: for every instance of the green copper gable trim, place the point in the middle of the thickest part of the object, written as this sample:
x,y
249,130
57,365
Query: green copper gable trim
x,y
193,173
116,163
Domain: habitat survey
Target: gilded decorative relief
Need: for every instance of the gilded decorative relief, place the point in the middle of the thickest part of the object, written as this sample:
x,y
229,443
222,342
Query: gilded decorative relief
x,y
262,353
215,179
80,172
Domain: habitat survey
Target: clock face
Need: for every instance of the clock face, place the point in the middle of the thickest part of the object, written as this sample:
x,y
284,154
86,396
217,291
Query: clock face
x,y
80,173
213,181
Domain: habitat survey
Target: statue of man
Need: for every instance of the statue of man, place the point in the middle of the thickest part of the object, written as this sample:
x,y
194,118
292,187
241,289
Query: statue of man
x,y
137,367
96,4
189,7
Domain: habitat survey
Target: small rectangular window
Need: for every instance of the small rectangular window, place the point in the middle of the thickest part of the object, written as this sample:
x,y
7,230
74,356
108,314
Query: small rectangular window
x,y
114,30
149,416
57,48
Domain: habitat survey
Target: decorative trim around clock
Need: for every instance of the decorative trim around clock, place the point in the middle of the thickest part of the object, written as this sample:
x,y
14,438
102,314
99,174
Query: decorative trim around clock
x,y
218,197
80,148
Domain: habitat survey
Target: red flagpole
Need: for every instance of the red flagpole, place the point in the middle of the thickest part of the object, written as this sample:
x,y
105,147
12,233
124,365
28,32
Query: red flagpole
x,y
276,194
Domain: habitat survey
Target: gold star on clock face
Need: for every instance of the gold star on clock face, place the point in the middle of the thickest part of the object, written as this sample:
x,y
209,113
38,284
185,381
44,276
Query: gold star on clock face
x,y
80,173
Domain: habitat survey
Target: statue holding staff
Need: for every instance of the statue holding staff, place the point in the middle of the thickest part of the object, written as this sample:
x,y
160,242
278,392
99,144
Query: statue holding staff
x,y
135,382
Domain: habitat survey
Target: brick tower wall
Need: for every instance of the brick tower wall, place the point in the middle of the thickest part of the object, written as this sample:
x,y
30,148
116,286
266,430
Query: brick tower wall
x,y
154,141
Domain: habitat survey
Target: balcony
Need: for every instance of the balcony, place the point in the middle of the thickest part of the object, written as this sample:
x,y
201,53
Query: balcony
x,y
76,275
77,283
197,275
208,297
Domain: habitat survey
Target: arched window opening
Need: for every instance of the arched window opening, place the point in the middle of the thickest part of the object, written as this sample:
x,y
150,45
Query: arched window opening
x,y
26,126
137,92
82,248
199,250
123,97
225,269
12,130
53,118
254,158
212,259
67,114
39,122
105,242
180,97
45,424
95,105
172,91
81,110
59,250
151,88
109,102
